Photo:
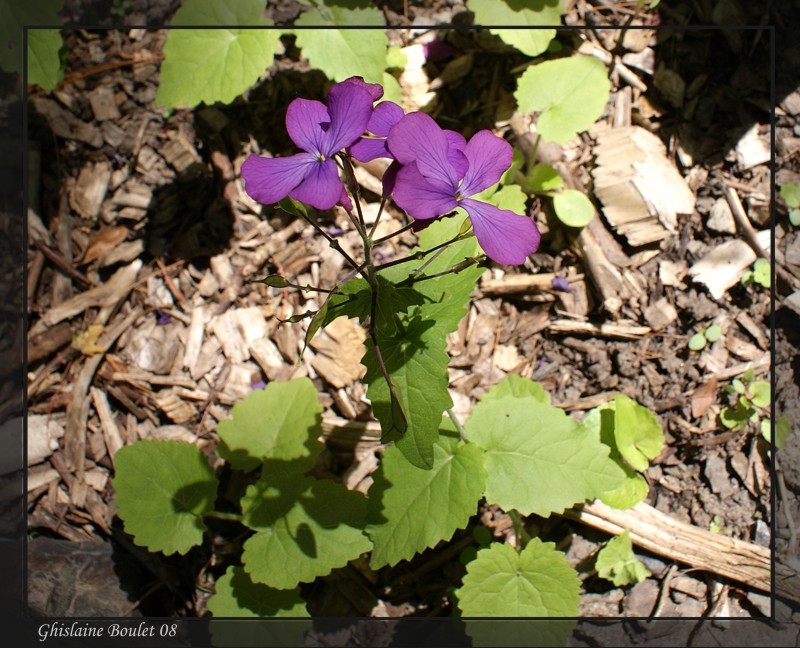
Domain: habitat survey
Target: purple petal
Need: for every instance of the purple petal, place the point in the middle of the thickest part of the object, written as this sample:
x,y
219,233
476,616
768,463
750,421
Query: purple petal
x,y
269,180
561,284
422,197
375,89
367,149
344,200
321,187
437,50
350,107
506,237
385,115
307,122
418,138
390,177
489,157
455,140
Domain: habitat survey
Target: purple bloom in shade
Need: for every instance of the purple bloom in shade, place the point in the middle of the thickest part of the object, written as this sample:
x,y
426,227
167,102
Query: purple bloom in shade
x,y
163,318
441,171
258,384
312,176
385,115
437,50
560,283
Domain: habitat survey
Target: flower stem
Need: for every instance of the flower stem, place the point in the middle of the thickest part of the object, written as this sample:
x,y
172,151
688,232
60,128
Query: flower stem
x,y
421,254
405,228
219,515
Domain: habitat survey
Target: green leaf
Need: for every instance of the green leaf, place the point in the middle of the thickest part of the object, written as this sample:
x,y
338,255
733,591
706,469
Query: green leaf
x,y
794,217
637,432
417,364
735,418
304,527
342,53
571,94
600,422
616,562
281,421
411,509
274,281
44,64
761,393
520,13
541,178
209,13
573,208
293,207
163,490
396,58
391,89
209,65
14,17
517,162
538,459
235,595
697,342
536,582
510,197
412,341
713,333
791,195
783,428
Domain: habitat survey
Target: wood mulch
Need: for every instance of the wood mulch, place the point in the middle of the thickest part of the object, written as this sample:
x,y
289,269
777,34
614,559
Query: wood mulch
x,y
146,322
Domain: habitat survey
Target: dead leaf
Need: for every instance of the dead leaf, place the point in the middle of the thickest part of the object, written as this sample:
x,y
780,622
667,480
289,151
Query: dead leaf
x,y
703,397
86,341
103,242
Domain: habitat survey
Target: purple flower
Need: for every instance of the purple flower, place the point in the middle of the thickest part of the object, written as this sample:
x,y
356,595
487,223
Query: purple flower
x,y
560,283
441,171
385,115
312,176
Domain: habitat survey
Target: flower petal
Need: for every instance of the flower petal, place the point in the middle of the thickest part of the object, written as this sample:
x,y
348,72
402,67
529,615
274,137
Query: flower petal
x,y
307,122
422,197
385,115
321,187
367,149
418,138
350,107
390,177
269,180
375,89
506,237
489,157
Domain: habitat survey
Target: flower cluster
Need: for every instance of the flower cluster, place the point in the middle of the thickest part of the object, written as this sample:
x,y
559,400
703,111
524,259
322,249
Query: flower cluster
x,y
433,170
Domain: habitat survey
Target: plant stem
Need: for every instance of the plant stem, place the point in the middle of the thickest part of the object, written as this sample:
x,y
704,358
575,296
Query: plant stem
x,y
405,228
375,224
335,245
421,254
219,515
520,533
461,432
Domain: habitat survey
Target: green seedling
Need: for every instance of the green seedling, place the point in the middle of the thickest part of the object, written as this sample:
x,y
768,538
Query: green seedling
x,y
791,196
698,341
752,397
760,274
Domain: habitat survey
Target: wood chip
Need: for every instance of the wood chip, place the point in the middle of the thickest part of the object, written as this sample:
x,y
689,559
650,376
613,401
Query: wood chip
x,y
89,192
103,242
641,190
619,330
117,287
268,357
43,435
179,153
65,124
339,348
40,476
111,433
177,409
660,314
753,148
104,105
724,265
